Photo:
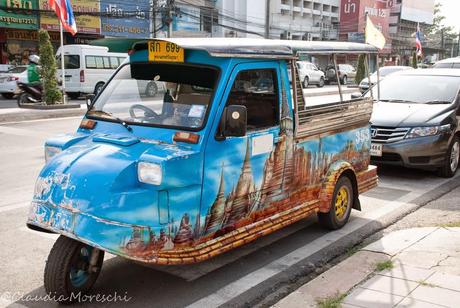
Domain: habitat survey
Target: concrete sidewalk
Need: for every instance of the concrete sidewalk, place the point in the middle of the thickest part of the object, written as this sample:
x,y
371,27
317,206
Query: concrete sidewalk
x,y
8,115
417,267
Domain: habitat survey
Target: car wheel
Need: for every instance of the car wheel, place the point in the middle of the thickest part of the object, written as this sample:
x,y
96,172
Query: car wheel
x,y
341,204
321,83
151,89
98,88
344,79
8,95
305,82
23,99
452,158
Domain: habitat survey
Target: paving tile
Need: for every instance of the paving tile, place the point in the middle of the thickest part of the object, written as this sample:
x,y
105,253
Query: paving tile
x,y
442,240
415,303
445,281
421,259
369,298
407,272
436,296
390,285
348,306
450,265
399,240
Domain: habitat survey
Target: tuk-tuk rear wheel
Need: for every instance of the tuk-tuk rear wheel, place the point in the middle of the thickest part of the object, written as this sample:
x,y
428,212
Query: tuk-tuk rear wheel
x,y
71,269
341,205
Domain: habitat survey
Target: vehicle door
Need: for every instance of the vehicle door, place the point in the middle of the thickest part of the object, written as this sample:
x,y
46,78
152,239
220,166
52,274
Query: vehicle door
x,y
315,73
72,64
234,166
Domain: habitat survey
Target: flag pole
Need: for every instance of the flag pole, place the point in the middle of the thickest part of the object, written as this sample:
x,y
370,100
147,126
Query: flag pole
x,y
62,62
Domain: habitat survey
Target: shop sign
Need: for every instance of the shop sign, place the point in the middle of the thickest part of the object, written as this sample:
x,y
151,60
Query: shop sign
x,y
24,35
19,14
129,19
86,23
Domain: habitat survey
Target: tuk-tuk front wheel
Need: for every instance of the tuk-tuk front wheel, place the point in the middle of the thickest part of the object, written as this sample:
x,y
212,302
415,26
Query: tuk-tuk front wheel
x,y
72,268
341,204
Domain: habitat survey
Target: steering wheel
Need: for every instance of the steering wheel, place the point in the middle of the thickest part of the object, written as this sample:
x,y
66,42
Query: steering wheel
x,y
147,111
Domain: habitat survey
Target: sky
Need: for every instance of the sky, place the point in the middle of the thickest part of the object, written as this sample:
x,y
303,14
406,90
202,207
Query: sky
x,y
450,9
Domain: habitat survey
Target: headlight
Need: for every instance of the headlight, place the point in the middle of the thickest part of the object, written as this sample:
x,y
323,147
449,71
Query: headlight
x,y
51,151
427,131
149,173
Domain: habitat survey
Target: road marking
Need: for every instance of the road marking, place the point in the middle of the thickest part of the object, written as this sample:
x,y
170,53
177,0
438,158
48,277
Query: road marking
x,y
243,284
41,120
22,132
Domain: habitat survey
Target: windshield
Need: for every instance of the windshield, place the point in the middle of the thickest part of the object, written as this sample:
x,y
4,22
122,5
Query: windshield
x,y
17,69
165,95
388,70
418,88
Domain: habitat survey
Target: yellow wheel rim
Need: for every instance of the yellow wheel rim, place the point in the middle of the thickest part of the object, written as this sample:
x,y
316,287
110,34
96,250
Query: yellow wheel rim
x,y
341,202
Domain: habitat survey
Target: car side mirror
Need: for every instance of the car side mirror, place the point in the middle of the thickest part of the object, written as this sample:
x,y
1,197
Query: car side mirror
x,y
89,100
356,95
234,122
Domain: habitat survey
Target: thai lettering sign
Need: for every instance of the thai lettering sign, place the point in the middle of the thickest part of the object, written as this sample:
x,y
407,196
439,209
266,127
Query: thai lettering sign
x,y
23,35
86,15
130,19
19,14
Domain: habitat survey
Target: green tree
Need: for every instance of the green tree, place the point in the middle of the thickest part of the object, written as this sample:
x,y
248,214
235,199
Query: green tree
x,y
414,59
439,35
51,92
360,71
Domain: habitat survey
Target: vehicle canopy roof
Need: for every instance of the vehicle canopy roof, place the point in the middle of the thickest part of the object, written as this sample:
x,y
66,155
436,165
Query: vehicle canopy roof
x,y
247,47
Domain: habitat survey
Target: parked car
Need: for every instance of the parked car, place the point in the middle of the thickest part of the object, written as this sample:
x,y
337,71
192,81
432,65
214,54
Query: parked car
x,y
448,63
5,67
346,72
415,122
310,74
87,68
383,72
9,80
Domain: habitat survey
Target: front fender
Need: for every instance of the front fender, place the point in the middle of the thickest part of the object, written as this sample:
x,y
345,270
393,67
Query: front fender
x,y
335,171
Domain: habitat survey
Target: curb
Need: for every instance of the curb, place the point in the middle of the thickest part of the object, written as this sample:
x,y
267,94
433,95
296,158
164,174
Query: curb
x,y
29,114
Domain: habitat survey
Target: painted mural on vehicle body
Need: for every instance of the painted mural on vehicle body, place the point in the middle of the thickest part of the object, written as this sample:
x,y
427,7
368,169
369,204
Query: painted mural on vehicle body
x,y
214,195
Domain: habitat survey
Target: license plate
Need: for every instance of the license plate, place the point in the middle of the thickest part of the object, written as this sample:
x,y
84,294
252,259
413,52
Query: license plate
x,y
376,149
161,51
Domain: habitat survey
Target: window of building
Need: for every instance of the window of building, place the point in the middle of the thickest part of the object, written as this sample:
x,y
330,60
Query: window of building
x,y
257,90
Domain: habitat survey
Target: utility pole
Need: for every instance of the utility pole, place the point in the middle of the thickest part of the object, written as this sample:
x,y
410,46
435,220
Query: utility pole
x,y
442,43
267,19
170,20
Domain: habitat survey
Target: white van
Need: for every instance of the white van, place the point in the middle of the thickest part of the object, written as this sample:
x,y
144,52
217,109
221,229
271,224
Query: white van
x,y
87,68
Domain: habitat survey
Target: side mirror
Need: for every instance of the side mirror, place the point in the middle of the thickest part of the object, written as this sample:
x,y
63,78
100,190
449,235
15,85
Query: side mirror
x,y
234,122
89,100
356,95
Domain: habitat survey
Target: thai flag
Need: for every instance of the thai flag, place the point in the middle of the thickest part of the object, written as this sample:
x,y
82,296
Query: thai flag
x,y
418,42
63,9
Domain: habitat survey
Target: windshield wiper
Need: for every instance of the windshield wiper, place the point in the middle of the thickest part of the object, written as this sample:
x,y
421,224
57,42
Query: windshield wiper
x,y
397,101
117,119
437,102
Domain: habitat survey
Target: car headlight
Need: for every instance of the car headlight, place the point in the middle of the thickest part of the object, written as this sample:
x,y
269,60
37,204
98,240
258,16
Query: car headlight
x,y
51,151
427,131
149,173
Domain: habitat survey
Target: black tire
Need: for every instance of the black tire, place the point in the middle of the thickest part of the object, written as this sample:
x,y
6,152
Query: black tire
x,y
73,95
66,263
305,82
98,88
152,89
321,83
23,99
8,95
451,161
332,220
344,80
327,82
